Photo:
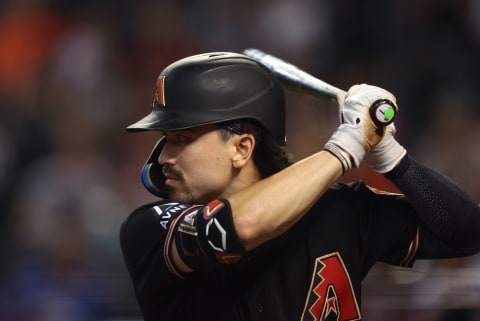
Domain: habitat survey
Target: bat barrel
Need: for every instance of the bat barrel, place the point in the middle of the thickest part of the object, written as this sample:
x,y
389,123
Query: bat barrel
x,y
293,78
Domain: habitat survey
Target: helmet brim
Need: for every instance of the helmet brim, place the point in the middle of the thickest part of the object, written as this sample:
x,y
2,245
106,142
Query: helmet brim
x,y
168,121
149,122
162,121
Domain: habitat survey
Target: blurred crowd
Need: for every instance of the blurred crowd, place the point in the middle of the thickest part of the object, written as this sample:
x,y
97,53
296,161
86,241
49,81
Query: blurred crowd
x,y
74,74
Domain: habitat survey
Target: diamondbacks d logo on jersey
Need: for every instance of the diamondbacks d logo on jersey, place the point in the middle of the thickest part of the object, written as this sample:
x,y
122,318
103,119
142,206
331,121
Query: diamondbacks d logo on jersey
x,y
331,296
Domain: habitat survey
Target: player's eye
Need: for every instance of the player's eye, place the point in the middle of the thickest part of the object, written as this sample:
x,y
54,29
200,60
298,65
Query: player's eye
x,y
182,139
178,139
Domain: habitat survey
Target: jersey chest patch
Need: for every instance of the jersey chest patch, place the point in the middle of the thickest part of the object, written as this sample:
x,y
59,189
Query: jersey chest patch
x,y
331,296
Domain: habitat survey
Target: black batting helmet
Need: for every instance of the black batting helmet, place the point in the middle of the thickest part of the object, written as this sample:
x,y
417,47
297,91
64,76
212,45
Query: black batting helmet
x,y
212,88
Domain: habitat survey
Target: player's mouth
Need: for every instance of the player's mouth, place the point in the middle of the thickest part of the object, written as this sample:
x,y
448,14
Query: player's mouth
x,y
170,180
172,176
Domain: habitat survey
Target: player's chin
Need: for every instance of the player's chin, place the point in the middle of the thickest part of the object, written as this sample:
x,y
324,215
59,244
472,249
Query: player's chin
x,y
181,195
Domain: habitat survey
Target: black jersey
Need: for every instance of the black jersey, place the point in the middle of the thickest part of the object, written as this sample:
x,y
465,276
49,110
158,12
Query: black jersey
x,y
311,272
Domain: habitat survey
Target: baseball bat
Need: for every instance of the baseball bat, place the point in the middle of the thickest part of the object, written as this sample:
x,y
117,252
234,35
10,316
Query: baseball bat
x,y
297,80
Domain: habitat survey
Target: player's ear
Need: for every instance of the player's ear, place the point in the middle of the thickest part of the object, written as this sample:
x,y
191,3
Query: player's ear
x,y
244,145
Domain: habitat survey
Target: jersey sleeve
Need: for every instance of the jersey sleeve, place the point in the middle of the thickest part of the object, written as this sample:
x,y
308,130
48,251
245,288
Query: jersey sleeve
x,y
446,210
146,239
389,228
433,219
205,239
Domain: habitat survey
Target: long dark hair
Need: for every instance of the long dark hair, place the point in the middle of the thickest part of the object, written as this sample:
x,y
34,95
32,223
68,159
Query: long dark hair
x,y
268,155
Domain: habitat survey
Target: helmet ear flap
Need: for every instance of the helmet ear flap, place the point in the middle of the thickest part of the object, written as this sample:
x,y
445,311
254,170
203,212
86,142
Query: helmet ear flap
x,y
152,175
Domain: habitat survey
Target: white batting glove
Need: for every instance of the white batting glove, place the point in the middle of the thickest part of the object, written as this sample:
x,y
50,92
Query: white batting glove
x,y
357,133
387,153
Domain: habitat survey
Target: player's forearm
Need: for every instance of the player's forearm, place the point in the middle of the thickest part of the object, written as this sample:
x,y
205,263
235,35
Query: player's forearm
x,y
446,209
271,206
259,212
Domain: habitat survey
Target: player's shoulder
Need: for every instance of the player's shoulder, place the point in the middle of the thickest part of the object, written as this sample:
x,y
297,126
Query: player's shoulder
x,y
358,189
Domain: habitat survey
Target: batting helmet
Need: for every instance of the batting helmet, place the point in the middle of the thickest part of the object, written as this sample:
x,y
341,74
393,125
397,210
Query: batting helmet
x,y
212,88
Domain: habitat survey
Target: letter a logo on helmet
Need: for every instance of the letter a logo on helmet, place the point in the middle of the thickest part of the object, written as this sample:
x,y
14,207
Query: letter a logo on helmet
x,y
159,92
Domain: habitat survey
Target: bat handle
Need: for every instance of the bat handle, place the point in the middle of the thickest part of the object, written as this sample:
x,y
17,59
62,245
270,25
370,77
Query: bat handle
x,y
383,112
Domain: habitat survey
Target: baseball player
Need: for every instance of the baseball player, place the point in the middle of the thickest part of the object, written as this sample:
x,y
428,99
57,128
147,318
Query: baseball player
x,y
240,233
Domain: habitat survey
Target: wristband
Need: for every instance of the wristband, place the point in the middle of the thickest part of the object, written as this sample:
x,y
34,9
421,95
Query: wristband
x,y
341,155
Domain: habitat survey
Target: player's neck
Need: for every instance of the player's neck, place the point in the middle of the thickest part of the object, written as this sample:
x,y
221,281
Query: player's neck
x,y
248,175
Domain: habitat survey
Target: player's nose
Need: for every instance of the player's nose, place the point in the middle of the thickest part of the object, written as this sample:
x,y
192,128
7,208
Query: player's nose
x,y
168,155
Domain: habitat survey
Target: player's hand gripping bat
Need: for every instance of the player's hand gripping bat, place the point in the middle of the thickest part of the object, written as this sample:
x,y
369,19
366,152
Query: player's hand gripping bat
x,y
297,80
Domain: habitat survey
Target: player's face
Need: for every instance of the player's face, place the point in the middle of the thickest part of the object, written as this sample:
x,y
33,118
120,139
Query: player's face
x,y
197,164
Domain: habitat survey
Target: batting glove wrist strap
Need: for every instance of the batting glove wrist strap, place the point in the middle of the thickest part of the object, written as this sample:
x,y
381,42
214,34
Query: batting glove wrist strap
x,y
347,139
342,156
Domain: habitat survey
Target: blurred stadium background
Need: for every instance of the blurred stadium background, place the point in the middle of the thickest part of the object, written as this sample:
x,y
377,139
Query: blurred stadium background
x,y
74,74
